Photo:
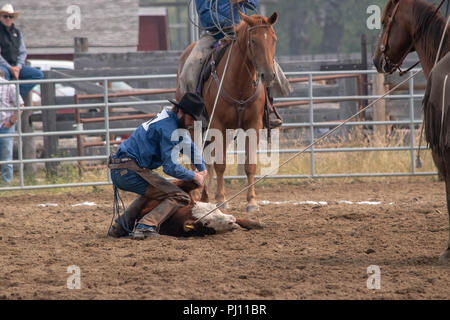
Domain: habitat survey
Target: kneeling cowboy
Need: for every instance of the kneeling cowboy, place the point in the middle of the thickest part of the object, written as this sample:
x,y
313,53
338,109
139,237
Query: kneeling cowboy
x,y
148,148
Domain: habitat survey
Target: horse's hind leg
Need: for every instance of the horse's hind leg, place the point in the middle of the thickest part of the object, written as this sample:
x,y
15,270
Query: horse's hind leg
x,y
445,256
439,163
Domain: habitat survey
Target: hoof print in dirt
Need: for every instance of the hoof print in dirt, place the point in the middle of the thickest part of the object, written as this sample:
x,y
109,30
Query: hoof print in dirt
x,y
445,257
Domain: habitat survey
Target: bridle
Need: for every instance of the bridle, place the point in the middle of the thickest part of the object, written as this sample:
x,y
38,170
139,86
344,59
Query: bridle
x,y
385,41
251,52
241,104
249,38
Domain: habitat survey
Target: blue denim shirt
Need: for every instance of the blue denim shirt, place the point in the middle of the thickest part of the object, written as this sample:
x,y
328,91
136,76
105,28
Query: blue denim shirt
x,y
210,17
151,146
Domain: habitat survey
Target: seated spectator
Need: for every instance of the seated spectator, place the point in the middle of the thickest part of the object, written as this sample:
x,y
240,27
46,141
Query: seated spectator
x,y
13,52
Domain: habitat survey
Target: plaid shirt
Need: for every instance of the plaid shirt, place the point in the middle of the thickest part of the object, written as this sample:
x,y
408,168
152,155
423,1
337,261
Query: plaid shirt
x,y
7,100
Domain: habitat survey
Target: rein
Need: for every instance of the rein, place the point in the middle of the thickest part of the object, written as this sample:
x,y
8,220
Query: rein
x,y
384,43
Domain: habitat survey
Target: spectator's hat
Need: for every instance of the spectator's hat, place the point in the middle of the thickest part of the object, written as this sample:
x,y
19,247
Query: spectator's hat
x,y
8,8
192,104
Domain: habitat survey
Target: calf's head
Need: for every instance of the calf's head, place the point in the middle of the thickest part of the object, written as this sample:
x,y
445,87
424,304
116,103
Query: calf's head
x,y
218,221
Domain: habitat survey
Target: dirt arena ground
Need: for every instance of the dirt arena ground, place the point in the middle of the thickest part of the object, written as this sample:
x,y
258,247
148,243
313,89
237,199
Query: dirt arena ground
x,y
307,251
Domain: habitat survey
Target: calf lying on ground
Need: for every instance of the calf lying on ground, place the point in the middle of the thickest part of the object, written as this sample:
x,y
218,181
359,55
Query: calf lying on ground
x,y
183,223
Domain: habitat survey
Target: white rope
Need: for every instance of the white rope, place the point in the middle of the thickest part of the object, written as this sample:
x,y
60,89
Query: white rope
x,y
443,106
442,41
310,145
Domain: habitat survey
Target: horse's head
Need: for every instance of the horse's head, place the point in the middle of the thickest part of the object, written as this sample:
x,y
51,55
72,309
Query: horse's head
x,y
261,42
395,39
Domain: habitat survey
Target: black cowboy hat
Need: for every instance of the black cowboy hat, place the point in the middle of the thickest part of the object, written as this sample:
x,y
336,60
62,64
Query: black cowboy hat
x,y
192,104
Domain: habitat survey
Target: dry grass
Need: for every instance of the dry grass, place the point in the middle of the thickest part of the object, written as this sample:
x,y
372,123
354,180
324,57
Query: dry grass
x,y
325,163
353,162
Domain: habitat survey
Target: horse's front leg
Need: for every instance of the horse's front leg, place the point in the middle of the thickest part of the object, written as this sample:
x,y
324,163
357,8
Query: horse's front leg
x,y
209,180
220,165
251,144
445,256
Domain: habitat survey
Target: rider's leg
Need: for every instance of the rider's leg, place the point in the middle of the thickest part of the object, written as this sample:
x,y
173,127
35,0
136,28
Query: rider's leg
x,y
171,197
188,79
128,180
281,86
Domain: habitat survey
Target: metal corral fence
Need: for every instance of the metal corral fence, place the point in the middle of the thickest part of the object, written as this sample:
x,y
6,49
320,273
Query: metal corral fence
x,y
310,125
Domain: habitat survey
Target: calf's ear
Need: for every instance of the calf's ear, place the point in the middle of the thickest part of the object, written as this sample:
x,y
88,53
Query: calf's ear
x,y
189,225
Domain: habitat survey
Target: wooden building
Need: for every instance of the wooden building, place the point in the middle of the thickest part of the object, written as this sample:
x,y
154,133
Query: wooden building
x,y
49,27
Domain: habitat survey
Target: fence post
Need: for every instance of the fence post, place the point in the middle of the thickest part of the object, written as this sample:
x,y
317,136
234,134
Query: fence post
x,y
193,30
80,45
49,124
364,87
29,147
379,109
411,126
311,122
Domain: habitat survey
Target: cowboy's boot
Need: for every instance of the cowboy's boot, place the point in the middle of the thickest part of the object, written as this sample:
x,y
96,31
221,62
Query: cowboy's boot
x,y
149,225
125,223
273,123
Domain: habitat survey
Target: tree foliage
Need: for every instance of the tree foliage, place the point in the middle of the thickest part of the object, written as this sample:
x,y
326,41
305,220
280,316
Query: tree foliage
x,y
322,26
315,26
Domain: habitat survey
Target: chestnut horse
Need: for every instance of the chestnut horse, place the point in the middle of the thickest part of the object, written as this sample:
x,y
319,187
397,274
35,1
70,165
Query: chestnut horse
x,y
242,97
416,25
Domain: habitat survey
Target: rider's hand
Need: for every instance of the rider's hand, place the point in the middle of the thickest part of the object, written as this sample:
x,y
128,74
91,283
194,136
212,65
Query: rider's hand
x,y
15,70
199,177
6,124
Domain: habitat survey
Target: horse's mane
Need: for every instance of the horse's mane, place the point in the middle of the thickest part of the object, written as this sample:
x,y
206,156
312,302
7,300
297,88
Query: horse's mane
x,y
386,10
429,26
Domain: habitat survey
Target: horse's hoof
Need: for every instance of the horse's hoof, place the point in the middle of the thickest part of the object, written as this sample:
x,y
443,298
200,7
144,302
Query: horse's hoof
x,y
445,257
252,208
